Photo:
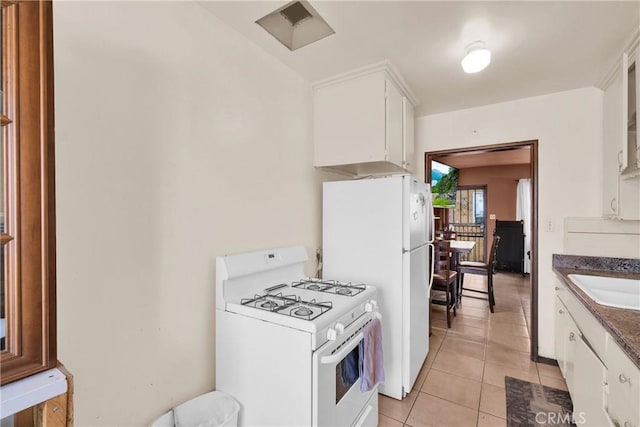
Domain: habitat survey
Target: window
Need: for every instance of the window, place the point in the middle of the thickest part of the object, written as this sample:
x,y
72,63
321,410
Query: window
x,y
27,208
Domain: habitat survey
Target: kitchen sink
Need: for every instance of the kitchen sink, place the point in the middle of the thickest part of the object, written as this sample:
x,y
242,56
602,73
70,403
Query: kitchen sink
x,y
610,291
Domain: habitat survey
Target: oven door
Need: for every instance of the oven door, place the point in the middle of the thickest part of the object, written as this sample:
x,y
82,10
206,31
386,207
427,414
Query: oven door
x,y
337,399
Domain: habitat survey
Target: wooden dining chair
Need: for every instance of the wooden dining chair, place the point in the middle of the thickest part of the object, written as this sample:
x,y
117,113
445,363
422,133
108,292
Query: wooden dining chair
x,y
444,280
483,269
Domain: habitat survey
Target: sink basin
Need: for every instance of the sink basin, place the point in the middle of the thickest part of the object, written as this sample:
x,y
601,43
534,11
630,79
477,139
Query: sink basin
x,y
610,291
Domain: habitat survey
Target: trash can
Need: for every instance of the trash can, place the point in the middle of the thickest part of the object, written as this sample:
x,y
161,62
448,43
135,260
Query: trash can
x,y
213,409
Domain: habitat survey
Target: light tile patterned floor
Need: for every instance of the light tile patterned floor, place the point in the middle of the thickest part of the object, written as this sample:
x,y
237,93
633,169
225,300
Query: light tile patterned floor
x,y
462,381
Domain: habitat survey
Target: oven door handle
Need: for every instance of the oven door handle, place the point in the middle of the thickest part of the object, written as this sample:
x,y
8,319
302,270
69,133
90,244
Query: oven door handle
x,y
336,357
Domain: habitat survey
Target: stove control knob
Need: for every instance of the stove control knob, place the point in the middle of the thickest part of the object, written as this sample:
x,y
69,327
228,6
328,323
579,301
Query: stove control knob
x,y
332,334
371,306
339,328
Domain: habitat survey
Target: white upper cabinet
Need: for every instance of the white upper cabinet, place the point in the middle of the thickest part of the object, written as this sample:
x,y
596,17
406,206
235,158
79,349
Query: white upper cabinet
x,y
612,145
363,122
409,128
630,158
394,122
621,147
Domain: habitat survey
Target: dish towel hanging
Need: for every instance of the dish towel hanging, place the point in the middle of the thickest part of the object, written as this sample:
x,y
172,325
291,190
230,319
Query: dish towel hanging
x,y
371,358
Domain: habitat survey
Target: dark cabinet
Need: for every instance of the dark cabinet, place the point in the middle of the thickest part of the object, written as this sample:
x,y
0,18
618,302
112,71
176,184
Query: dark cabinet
x,y
510,255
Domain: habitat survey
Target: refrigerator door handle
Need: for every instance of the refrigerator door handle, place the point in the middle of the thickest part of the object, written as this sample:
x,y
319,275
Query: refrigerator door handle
x,y
432,231
433,259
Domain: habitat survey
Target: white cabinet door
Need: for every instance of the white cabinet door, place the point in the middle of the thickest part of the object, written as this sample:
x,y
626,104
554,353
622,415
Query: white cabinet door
x,y
624,158
571,335
363,123
620,173
394,124
560,326
623,378
588,386
631,159
612,154
565,342
349,121
408,143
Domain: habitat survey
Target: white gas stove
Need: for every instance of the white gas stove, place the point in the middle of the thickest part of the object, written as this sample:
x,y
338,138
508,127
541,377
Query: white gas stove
x,y
280,339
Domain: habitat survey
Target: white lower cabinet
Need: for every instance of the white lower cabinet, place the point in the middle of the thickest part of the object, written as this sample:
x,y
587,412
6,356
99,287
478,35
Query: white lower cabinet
x,y
623,380
588,386
566,330
603,382
561,347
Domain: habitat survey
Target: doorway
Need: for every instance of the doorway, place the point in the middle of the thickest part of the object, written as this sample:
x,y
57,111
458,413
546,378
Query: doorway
x,y
493,158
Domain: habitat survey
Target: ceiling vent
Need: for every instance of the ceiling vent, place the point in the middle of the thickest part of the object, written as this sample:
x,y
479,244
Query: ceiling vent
x,y
295,25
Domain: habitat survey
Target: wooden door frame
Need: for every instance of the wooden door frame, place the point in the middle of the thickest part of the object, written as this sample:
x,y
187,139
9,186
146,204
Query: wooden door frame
x,y
533,165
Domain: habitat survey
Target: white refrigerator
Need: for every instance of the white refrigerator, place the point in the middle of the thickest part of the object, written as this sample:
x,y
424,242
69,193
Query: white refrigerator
x,y
379,231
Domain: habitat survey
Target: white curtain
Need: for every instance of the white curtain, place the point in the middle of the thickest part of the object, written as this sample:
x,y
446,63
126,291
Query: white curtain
x,y
523,212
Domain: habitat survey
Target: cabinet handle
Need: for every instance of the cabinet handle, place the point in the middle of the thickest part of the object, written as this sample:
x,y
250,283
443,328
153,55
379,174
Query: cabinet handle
x,y
572,336
561,311
623,379
620,160
557,288
613,204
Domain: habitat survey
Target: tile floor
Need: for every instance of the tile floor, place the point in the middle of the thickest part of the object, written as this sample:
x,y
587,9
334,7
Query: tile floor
x,y
462,381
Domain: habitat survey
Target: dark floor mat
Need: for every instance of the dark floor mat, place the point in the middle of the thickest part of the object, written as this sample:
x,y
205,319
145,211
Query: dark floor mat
x,y
531,404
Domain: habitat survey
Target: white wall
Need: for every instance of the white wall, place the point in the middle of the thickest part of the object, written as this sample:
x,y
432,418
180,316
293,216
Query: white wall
x,y
568,126
177,141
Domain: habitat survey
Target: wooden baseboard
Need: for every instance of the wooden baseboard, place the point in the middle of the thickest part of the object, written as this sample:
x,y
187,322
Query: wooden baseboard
x,y
546,361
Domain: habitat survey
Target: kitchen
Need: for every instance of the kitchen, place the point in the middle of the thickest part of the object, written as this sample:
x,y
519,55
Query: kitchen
x,y
179,140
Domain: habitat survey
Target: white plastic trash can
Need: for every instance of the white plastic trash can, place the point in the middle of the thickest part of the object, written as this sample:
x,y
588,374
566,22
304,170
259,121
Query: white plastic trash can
x,y
213,409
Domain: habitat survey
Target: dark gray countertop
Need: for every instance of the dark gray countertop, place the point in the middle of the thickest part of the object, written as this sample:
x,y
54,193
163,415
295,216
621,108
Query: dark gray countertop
x,y
622,324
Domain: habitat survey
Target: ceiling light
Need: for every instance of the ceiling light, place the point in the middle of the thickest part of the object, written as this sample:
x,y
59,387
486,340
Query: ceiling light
x,y
477,57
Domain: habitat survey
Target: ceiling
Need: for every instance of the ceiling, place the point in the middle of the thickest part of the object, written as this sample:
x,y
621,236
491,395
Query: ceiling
x,y
476,159
537,47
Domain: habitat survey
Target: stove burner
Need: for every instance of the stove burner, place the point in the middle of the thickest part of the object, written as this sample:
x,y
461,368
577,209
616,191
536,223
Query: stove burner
x,y
268,304
271,302
330,286
303,311
288,305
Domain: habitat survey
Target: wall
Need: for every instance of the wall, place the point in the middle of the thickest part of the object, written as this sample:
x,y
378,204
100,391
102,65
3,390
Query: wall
x,y
568,126
502,183
177,141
